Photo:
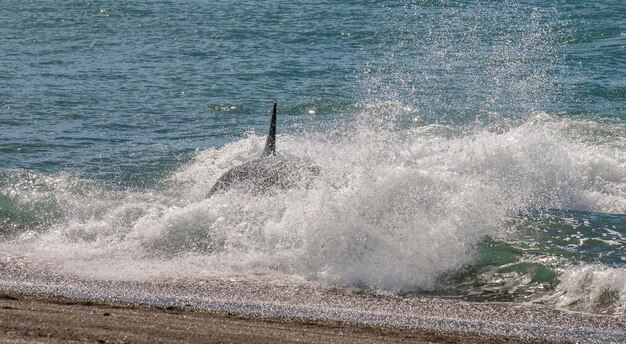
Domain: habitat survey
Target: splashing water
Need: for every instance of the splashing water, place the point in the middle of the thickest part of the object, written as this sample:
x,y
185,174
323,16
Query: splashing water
x,y
392,216
469,150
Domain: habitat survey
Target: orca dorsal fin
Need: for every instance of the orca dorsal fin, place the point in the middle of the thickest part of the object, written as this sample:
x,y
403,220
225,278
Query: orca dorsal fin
x,y
270,144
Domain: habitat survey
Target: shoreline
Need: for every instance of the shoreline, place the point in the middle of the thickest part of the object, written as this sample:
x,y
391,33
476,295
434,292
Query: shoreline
x,y
27,318
277,310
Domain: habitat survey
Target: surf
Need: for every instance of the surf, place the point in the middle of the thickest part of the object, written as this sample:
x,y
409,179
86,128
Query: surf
x,y
396,217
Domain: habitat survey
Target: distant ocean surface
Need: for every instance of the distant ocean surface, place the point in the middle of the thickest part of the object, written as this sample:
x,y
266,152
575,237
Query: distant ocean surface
x,y
472,150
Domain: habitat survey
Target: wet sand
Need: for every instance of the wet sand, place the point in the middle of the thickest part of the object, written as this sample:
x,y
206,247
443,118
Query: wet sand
x,y
37,319
39,306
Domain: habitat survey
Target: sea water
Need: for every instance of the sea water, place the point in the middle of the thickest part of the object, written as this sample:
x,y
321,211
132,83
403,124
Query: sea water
x,y
472,150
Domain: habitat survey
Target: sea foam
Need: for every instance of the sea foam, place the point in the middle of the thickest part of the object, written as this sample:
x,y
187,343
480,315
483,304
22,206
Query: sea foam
x,y
593,287
392,209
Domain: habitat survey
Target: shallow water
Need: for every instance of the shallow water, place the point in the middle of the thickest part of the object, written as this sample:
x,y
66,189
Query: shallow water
x,y
472,150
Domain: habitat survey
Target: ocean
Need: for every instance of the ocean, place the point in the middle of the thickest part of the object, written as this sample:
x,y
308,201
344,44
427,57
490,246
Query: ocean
x,y
471,150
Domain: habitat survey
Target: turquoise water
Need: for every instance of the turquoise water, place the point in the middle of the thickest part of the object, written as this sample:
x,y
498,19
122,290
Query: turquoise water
x,y
477,148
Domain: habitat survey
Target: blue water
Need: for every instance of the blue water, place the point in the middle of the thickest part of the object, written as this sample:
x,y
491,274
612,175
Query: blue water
x,y
479,147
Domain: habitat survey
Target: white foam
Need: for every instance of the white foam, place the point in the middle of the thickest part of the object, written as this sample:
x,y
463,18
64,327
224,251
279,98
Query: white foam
x,y
593,287
392,208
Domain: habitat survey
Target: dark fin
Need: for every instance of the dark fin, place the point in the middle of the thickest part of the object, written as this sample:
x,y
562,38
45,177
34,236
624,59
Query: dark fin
x,y
270,144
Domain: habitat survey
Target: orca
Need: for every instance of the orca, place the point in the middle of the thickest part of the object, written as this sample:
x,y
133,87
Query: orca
x,y
269,171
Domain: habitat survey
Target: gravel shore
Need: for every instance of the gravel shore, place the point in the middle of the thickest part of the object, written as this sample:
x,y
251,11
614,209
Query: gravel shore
x,y
43,307
36,319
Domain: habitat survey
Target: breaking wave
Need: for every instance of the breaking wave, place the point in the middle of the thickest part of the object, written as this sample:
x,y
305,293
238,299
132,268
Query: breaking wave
x,y
392,209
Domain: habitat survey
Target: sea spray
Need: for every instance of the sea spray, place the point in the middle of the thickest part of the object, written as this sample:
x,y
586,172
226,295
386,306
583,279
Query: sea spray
x,y
593,287
391,216
471,149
